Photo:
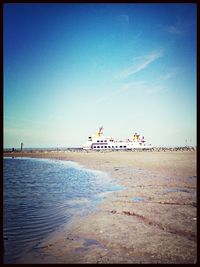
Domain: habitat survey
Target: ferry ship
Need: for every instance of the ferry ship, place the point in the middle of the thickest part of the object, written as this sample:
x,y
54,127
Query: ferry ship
x,y
100,142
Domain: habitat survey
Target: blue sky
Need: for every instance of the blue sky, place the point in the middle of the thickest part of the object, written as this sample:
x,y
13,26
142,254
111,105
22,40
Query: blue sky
x,y
70,68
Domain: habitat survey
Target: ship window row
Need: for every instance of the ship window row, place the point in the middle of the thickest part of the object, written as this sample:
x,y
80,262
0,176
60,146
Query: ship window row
x,y
109,147
102,141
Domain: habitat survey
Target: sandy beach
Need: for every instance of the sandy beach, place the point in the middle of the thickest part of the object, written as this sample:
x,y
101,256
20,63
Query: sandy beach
x,y
153,220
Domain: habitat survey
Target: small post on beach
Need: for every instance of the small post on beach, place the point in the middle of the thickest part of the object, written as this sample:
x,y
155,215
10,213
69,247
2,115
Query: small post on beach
x,y
22,146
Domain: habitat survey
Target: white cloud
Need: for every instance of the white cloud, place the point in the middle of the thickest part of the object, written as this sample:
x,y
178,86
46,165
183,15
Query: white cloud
x,y
143,87
140,63
174,29
124,19
153,89
148,87
167,76
178,28
159,85
137,36
135,85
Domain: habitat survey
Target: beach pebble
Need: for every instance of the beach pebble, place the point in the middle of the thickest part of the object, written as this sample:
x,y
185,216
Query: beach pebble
x,y
113,211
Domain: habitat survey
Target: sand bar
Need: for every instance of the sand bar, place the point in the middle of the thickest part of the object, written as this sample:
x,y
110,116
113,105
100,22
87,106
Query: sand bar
x,y
154,220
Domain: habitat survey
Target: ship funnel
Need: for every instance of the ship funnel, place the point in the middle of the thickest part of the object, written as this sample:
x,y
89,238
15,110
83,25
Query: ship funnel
x,y
100,132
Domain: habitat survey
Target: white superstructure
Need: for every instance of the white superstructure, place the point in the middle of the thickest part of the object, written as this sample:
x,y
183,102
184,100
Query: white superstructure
x,y
100,142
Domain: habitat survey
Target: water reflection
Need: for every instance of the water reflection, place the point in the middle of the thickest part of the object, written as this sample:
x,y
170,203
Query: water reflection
x,y
40,195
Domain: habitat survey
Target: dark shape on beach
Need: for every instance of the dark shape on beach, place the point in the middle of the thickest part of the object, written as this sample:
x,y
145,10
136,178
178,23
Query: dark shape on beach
x,y
113,211
192,177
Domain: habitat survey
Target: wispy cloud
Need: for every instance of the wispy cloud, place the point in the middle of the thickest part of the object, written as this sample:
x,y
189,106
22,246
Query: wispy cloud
x,y
159,85
179,27
140,63
153,89
174,29
124,19
142,86
134,85
169,75
137,36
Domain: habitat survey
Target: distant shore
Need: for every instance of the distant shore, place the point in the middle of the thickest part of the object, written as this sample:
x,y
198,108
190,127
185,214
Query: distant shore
x,y
153,220
78,149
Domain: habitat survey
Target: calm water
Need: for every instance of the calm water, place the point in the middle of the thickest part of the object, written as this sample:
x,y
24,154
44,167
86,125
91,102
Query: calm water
x,y
40,195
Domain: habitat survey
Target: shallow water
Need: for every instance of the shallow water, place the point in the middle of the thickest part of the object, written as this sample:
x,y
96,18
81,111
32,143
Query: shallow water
x,y
40,195
138,199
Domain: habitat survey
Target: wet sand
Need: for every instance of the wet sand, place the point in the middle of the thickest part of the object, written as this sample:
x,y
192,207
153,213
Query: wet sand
x,y
154,220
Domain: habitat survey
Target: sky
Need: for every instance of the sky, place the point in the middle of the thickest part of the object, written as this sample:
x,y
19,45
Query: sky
x,y
70,68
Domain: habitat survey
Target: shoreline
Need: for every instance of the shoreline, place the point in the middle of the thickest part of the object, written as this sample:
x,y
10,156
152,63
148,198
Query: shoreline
x,y
81,150
152,221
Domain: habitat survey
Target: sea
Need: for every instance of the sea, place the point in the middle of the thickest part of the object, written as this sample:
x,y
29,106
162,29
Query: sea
x,y
41,195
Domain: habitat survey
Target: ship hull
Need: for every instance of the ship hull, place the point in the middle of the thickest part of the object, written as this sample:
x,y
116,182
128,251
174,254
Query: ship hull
x,y
114,145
